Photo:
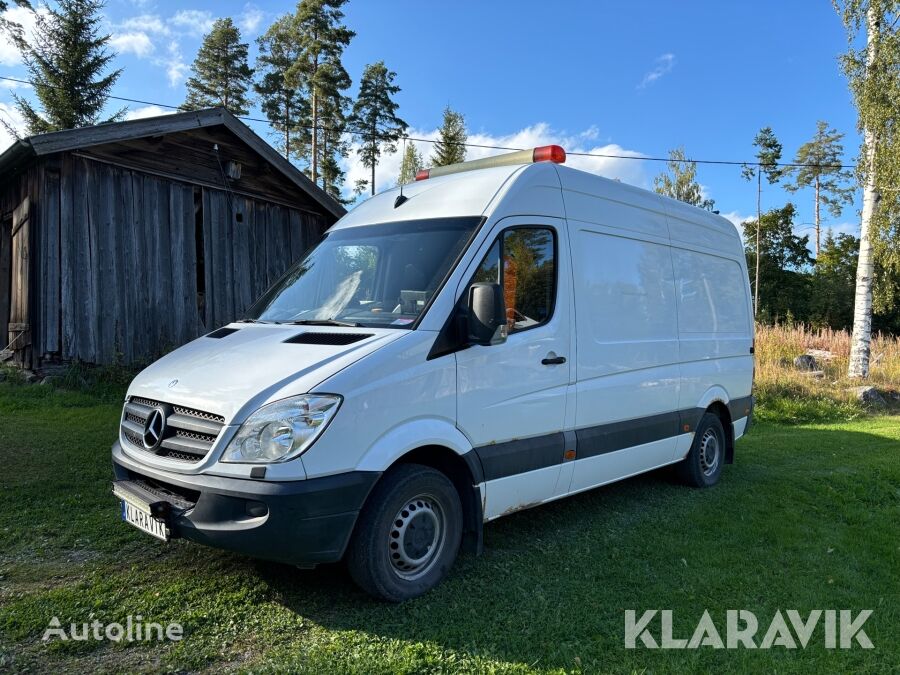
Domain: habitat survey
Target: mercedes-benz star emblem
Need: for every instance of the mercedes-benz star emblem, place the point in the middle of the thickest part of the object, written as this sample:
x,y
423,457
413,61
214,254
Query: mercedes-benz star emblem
x,y
154,428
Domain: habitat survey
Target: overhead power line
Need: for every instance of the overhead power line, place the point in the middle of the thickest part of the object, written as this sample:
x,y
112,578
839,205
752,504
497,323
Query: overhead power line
x,y
385,134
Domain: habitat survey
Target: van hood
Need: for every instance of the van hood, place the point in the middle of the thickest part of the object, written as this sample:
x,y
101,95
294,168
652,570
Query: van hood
x,y
236,369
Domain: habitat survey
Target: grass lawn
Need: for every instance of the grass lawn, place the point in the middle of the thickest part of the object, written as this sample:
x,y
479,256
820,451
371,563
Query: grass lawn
x,y
807,518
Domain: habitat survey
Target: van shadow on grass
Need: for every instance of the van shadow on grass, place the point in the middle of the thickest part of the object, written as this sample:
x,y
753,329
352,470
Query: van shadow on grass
x,y
806,519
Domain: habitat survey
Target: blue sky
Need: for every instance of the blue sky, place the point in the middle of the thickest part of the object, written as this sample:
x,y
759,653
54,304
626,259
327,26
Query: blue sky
x,y
634,78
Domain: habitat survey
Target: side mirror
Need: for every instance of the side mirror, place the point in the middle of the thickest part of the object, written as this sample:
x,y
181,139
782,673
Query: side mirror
x,y
487,314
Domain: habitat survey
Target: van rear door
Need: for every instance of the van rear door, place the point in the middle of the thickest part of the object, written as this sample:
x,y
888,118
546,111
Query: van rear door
x,y
512,396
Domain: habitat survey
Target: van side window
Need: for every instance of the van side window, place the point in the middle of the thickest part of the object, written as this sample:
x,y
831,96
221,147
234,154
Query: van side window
x,y
527,275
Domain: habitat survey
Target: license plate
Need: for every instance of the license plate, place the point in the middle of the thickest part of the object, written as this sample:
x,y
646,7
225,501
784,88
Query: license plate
x,y
143,521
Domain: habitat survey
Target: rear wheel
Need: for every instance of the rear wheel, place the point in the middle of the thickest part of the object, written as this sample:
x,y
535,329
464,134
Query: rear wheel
x,y
408,535
703,464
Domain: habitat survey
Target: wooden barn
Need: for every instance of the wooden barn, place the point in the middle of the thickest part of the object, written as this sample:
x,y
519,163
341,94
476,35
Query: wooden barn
x,y
121,241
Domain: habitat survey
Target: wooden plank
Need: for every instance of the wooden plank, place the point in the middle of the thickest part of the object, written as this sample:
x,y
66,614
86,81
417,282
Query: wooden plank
x,y
209,294
140,270
189,255
129,318
50,235
243,264
282,217
151,217
227,263
107,292
177,243
297,235
96,201
68,251
261,236
83,292
163,308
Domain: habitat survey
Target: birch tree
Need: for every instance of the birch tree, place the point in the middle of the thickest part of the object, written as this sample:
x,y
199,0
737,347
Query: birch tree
x,y
679,181
875,82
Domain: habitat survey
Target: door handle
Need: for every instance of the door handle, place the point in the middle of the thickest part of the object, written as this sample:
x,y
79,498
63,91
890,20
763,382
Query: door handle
x,y
553,360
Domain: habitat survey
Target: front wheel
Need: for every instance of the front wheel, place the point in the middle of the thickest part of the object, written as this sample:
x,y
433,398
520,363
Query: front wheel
x,y
703,464
408,535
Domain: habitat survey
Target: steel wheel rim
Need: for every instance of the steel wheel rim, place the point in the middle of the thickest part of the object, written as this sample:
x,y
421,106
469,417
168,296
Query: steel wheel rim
x,y
416,537
710,451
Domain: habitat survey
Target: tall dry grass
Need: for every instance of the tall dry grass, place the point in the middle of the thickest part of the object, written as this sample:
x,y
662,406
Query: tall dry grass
x,y
785,393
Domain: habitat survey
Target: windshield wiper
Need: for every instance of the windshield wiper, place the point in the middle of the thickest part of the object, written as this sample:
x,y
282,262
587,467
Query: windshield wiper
x,y
325,322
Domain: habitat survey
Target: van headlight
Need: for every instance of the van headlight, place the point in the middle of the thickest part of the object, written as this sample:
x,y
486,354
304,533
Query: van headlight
x,y
282,430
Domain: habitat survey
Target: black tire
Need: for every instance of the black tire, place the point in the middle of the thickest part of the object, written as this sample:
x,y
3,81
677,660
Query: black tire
x,y
703,465
389,555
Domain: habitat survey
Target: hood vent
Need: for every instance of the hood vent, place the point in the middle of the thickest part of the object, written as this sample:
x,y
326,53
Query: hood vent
x,y
222,332
313,338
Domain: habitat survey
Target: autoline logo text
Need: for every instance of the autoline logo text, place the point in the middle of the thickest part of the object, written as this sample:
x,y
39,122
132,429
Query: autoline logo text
x,y
789,629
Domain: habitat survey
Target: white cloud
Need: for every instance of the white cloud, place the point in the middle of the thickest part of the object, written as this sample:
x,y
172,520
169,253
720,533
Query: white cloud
x,y
193,21
615,166
737,218
176,68
663,65
250,19
148,111
9,53
137,43
13,84
145,23
839,228
9,115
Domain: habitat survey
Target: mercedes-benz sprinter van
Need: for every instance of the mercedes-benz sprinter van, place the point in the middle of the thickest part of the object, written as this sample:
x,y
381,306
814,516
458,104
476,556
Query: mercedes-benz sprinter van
x,y
500,334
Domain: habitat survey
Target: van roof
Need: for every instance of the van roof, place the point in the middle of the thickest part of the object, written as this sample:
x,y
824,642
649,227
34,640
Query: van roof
x,y
526,189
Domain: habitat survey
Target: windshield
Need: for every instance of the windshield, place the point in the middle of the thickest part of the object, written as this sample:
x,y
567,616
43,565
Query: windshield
x,y
374,275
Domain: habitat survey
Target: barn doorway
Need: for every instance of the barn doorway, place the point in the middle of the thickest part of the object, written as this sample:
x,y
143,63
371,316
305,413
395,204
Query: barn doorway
x,y
19,335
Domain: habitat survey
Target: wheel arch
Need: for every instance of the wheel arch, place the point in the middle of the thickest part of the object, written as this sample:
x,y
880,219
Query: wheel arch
x,y
720,409
465,472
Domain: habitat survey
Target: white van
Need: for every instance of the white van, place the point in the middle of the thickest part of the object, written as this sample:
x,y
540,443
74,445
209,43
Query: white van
x,y
501,334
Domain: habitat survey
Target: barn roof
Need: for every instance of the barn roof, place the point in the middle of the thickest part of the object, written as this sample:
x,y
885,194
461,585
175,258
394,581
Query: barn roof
x,y
41,145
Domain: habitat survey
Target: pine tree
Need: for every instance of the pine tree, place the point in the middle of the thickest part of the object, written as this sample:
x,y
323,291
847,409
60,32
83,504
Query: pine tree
x,y
875,83
679,181
410,165
333,145
281,95
321,41
67,64
768,154
221,75
821,158
450,148
375,113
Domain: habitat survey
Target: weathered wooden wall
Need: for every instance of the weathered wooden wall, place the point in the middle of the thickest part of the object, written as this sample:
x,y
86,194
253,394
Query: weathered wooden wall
x,y
128,265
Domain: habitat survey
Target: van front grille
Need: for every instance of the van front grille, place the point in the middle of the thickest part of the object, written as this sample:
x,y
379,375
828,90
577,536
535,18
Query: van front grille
x,y
187,434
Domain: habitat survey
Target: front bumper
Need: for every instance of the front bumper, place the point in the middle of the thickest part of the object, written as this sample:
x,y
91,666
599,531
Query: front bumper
x,y
303,522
